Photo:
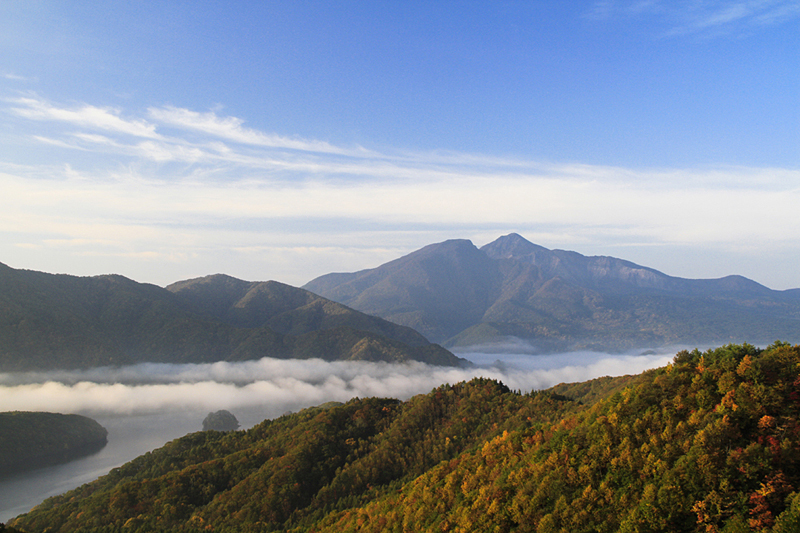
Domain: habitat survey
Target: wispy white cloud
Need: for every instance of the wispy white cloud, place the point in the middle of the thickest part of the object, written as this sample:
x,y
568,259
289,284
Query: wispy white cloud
x,y
720,16
14,77
100,122
779,13
232,129
95,138
703,16
255,150
724,15
56,142
104,118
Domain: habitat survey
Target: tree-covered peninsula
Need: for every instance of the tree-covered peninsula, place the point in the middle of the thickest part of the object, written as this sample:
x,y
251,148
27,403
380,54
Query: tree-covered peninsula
x,y
31,440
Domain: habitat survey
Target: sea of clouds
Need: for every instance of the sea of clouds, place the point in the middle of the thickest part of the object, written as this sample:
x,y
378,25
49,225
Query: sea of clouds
x,y
275,386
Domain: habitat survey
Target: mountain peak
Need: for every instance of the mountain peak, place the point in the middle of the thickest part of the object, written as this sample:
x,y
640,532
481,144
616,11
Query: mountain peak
x,y
450,244
218,280
511,245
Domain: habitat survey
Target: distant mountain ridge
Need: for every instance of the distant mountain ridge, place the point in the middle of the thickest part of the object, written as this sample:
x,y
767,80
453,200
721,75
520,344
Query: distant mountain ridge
x,y
59,321
459,295
283,308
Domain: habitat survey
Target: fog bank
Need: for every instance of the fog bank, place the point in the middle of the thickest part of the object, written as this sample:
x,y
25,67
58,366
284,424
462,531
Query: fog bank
x,y
275,386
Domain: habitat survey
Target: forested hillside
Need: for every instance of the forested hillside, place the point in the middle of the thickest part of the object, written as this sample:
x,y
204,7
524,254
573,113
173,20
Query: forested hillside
x,y
52,321
709,443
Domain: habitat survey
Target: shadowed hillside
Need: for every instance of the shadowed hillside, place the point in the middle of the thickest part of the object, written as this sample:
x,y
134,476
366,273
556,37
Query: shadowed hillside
x,y
439,290
58,321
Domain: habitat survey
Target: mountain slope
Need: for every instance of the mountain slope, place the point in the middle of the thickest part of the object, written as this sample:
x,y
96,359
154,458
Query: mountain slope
x,y
58,321
438,290
685,448
559,300
708,443
283,308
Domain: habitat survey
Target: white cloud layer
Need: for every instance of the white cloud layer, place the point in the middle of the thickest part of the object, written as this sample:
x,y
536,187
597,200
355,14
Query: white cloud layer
x,y
280,385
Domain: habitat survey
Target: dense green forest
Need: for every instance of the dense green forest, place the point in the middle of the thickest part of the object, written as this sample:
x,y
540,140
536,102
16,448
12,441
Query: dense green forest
x,y
709,443
31,440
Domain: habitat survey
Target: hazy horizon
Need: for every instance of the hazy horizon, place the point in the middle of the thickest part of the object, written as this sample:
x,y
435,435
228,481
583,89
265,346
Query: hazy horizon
x,y
283,141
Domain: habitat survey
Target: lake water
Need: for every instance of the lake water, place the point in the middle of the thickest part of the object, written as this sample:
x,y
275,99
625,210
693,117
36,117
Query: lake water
x,y
146,406
128,438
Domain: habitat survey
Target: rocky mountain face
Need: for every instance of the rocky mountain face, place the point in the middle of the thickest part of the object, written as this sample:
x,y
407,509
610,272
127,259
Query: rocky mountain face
x,y
459,295
58,321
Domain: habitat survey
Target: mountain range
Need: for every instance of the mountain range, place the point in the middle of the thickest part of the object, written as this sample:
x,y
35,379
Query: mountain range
x,y
510,292
459,295
52,321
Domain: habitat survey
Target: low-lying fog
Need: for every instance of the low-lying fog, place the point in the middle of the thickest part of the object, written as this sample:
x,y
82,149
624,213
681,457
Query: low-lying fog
x,y
144,406
275,386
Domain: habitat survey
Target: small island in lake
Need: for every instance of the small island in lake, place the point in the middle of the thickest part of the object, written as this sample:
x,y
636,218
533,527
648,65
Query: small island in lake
x,y
220,421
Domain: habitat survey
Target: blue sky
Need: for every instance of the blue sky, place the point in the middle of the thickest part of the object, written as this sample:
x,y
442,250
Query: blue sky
x,y
285,140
